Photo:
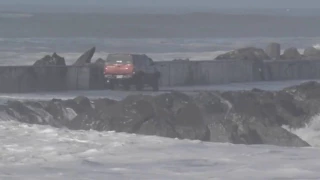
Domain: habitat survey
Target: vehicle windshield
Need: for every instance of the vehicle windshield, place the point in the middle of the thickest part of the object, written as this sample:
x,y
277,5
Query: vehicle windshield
x,y
119,59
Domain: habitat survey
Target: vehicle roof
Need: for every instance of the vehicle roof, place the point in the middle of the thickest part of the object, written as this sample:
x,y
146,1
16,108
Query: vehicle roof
x,y
142,56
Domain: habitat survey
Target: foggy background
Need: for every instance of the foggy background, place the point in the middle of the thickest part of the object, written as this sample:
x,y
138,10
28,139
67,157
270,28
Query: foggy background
x,y
298,7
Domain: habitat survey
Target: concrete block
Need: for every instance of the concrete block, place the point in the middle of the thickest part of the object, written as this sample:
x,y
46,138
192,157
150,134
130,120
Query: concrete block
x,y
273,50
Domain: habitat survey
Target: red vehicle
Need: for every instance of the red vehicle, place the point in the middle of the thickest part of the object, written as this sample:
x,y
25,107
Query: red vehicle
x,y
130,69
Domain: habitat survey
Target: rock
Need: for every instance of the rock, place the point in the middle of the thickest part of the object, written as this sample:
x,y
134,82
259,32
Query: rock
x,y
189,123
85,58
30,113
128,114
264,113
83,104
273,50
100,62
61,113
248,53
216,113
54,60
291,54
102,104
245,117
254,132
307,98
89,121
311,53
48,76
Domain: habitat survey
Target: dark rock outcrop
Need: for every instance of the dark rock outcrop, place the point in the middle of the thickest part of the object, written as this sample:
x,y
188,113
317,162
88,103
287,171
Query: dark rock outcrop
x,y
248,53
54,60
85,58
48,73
242,117
311,53
100,62
291,54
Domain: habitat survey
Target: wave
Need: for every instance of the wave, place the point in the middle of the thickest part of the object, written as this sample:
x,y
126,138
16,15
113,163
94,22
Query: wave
x,y
310,133
317,46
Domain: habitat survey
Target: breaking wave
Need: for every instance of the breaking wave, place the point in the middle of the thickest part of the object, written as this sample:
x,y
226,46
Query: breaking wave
x,y
310,133
317,46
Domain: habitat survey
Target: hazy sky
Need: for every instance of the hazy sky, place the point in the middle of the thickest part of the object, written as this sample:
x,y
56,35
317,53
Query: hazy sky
x,y
179,3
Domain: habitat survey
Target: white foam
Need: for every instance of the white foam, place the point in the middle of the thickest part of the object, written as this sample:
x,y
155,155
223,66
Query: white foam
x,y
310,133
317,46
42,152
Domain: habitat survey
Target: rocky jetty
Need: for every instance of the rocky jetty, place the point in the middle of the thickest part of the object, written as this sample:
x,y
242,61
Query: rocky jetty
x,y
248,53
272,51
53,60
85,58
291,54
100,62
242,117
311,53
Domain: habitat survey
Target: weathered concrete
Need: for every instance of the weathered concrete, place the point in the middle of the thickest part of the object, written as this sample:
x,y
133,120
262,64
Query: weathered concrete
x,y
18,79
176,73
273,50
292,70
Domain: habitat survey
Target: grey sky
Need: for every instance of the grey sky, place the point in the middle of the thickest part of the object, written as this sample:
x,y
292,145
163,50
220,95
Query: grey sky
x,y
178,3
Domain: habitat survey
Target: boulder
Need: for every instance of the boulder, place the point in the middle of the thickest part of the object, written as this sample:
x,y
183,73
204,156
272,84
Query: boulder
x,y
245,117
60,112
253,131
83,104
33,113
273,50
291,54
258,122
248,53
85,58
88,121
307,98
54,60
311,53
50,73
102,104
100,62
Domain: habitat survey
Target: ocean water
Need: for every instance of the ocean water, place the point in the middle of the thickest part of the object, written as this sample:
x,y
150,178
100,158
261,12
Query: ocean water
x,y
25,51
34,152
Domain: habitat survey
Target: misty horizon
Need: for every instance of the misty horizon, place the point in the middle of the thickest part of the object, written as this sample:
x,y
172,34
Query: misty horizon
x,y
173,3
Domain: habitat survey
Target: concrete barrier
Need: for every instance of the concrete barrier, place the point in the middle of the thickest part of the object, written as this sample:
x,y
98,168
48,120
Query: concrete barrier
x,y
291,70
19,79
177,73
174,72
222,72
